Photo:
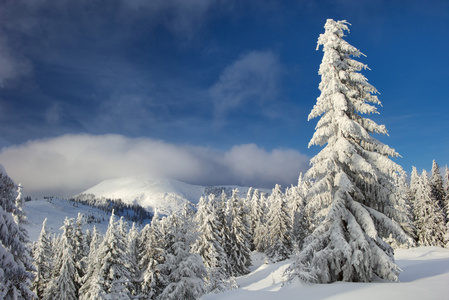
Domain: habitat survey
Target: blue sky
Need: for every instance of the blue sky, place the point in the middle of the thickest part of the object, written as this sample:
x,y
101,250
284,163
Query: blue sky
x,y
142,84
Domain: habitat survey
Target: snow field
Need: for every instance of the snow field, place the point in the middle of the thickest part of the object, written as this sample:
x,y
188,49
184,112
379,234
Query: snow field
x,y
56,210
425,276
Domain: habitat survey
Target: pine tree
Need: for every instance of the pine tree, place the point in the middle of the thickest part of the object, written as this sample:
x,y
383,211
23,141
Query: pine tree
x,y
353,188
414,181
404,208
183,271
152,255
132,250
260,231
296,199
80,250
255,216
239,248
429,222
437,184
15,259
436,181
279,231
224,223
43,261
446,199
110,275
446,205
209,245
90,288
63,284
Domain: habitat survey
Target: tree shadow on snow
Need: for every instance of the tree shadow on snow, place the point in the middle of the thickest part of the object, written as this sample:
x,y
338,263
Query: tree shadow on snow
x,y
419,269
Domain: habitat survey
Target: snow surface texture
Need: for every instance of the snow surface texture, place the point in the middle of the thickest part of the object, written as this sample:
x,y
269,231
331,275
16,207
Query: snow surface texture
x,y
425,276
56,210
164,195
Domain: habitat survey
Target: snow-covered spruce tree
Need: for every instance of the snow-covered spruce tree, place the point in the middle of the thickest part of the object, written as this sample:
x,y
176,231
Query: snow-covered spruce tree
x,y
63,285
405,209
132,250
257,222
429,222
260,231
43,261
279,227
91,287
296,200
15,258
239,249
224,221
80,250
109,276
353,190
209,246
414,182
182,270
436,181
446,199
152,244
446,206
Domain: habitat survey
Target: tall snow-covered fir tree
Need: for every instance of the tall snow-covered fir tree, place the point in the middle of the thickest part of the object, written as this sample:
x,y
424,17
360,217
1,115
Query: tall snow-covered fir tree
x,y
152,254
436,181
404,208
414,182
15,259
260,230
43,261
80,249
255,216
209,245
279,227
429,218
63,283
446,199
353,190
132,250
109,276
183,270
296,199
446,206
239,249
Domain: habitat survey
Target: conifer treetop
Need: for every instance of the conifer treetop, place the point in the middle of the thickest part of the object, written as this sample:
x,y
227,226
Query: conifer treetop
x,y
345,94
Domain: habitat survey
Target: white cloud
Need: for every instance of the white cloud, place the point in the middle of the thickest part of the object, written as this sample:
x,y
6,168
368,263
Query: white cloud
x,y
69,164
254,77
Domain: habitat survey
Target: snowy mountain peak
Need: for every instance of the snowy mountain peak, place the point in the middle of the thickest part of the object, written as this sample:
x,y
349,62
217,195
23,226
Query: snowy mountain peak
x,y
163,194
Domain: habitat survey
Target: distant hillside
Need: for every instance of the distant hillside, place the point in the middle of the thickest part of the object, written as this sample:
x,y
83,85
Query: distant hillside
x,y
164,195
56,210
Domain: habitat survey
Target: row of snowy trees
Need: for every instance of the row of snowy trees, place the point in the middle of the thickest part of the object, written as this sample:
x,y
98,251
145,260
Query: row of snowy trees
x,y
430,206
153,263
181,256
191,253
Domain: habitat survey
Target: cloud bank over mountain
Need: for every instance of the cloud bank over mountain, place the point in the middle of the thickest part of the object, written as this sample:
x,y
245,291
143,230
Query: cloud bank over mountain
x,y
69,164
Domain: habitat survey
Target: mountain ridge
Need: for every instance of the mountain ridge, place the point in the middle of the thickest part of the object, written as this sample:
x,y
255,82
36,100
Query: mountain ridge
x,y
161,194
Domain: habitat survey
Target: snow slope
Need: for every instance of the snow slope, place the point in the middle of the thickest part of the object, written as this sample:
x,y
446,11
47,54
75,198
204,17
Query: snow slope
x,y
56,210
425,276
162,194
